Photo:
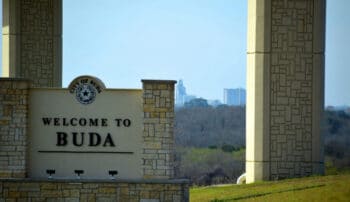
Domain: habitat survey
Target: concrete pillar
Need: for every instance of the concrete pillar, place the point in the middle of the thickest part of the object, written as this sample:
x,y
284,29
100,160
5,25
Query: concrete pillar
x,y
158,132
32,41
285,88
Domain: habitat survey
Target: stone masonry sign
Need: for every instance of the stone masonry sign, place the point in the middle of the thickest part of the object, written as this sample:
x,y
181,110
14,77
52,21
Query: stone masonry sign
x,y
88,142
87,128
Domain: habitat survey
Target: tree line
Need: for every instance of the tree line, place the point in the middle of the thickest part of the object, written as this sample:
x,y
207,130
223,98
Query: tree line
x,y
210,126
221,131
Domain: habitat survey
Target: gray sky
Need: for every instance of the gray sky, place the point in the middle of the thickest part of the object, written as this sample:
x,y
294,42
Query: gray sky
x,y
201,41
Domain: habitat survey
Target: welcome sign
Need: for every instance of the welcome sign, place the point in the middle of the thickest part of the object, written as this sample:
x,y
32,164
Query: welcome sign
x,y
85,130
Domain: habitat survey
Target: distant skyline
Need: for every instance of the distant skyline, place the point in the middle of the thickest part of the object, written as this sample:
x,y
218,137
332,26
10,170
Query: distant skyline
x,y
202,42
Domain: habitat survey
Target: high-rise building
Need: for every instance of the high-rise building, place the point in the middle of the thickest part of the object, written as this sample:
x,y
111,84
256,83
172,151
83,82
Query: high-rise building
x,y
181,96
214,103
180,93
235,97
189,98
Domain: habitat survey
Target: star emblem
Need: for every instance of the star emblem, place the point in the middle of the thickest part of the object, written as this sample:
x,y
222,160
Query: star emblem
x,y
86,93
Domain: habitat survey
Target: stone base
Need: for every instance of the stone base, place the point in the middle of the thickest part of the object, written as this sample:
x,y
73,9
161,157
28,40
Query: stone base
x,y
12,174
94,190
277,170
257,171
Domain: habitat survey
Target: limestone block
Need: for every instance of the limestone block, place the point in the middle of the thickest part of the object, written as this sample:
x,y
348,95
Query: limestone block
x,y
158,128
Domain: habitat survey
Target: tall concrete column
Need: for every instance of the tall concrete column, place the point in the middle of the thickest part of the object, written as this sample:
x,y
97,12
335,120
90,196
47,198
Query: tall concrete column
x,y
285,88
32,41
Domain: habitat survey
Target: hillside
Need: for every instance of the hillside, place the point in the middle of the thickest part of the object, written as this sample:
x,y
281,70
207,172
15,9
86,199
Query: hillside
x,y
317,188
208,126
210,143
205,166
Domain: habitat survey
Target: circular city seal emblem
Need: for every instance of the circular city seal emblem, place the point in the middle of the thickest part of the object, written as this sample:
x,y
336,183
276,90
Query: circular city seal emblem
x,y
86,89
85,93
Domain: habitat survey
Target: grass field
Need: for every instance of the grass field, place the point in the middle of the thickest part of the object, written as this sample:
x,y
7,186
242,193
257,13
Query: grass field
x,y
317,188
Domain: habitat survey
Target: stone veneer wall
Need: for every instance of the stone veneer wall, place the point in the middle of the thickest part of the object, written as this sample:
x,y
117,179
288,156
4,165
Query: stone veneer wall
x,y
158,134
158,154
285,71
80,190
291,88
32,41
13,127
